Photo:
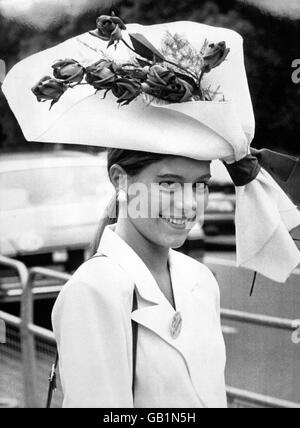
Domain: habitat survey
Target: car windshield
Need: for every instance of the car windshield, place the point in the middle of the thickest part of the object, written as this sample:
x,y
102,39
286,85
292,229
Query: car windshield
x,y
51,186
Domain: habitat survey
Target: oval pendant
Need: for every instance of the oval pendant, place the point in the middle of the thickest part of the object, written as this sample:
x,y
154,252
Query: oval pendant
x,y
176,324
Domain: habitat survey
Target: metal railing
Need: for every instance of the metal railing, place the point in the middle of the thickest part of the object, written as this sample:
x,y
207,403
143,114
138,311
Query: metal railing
x,y
17,266
251,399
9,404
260,320
29,331
23,275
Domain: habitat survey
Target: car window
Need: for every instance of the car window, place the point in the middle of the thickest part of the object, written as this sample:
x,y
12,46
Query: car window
x,y
51,186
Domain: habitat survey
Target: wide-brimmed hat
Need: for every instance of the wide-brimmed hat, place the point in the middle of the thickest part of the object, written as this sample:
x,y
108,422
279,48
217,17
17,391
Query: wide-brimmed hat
x,y
219,124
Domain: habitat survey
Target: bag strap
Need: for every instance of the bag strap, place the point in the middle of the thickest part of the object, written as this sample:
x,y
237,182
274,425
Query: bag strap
x,y
52,382
134,325
52,376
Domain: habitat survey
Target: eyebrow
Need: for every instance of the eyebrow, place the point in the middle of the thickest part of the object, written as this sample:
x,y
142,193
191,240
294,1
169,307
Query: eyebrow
x,y
179,177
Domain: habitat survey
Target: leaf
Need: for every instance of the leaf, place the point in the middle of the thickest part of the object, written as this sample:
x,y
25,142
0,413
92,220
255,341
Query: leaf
x,y
52,104
144,48
143,63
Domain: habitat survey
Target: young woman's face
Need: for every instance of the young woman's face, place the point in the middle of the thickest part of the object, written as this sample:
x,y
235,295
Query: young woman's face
x,y
167,198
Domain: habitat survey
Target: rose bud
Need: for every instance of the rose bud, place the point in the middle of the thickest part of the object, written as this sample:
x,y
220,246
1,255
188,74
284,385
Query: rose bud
x,y
126,90
49,89
164,84
216,54
68,70
110,28
102,74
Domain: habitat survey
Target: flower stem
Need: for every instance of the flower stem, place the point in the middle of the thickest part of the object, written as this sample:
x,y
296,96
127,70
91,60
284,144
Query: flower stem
x,y
165,60
201,77
77,84
199,84
181,68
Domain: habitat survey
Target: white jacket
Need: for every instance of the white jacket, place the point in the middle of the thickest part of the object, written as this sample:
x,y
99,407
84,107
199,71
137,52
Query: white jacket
x,y
92,326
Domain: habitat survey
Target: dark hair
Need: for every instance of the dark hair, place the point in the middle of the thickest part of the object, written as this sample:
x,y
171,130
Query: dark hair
x,y
133,162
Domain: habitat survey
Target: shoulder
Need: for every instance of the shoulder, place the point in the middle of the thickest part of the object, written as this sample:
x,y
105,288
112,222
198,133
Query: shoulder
x,y
191,263
98,279
93,303
198,272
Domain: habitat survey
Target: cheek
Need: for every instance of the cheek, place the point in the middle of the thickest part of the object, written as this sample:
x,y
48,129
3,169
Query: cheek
x,y
201,205
166,202
159,202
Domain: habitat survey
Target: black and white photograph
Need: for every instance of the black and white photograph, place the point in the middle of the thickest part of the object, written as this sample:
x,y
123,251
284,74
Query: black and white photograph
x,y
149,206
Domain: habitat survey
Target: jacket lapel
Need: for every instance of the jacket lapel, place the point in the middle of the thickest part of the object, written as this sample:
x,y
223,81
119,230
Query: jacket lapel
x,y
198,341
117,249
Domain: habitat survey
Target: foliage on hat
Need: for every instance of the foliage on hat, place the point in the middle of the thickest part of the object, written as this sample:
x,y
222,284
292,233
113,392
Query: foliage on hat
x,y
174,75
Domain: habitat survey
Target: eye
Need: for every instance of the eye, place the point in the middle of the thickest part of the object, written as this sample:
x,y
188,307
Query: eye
x,y
170,185
201,186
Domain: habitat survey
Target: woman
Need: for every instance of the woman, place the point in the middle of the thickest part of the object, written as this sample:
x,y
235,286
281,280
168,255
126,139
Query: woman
x,y
187,103
92,316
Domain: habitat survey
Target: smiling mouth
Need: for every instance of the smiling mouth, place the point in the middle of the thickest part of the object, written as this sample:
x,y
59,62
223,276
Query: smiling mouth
x,y
177,222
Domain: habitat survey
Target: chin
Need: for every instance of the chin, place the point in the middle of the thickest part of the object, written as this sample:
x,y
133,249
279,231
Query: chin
x,y
176,246
164,236
172,241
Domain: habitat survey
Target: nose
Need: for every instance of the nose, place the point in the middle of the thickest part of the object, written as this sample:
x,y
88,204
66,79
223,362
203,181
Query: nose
x,y
186,203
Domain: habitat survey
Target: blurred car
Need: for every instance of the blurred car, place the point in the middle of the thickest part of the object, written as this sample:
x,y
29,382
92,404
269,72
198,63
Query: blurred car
x,y
50,205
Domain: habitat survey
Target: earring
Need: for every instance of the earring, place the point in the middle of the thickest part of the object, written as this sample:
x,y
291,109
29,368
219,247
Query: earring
x,y
122,197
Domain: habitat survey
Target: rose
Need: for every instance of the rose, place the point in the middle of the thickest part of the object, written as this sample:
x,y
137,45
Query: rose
x,y
68,70
49,88
216,54
110,28
102,74
126,90
133,72
167,85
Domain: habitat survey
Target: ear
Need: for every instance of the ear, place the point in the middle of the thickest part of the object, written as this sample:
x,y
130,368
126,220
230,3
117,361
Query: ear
x,y
117,176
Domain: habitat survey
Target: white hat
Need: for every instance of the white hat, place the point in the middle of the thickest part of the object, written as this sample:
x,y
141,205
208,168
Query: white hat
x,y
204,130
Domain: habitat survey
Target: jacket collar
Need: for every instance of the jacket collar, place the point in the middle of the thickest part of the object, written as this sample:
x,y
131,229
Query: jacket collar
x,y
112,245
